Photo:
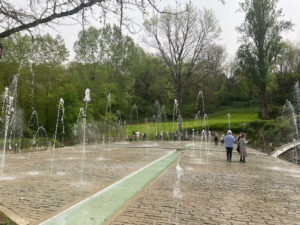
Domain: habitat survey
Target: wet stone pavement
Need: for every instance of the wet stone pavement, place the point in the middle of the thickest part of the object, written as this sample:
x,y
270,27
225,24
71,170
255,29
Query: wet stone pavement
x,y
261,191
27,189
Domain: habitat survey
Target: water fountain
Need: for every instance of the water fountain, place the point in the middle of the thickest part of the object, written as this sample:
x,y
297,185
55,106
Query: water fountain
x,y
177,195
175,114
86,99
59,119
261,137
228,120
108,110
289,109
297,98
200,94
244,127
206,134
135,114
8,110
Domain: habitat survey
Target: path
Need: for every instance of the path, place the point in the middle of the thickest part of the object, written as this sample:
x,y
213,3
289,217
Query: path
x,y
282,149
28,191
261,191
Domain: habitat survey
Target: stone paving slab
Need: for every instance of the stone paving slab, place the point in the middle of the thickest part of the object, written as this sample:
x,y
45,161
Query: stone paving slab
x,y
99,207
28,190
261,191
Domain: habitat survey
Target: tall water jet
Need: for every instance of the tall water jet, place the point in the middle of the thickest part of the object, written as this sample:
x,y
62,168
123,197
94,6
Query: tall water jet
x,y
244,127
297,98
228,120
9,110
289,109
200,95
164,118
86,100
175,114
134,114
205,134
108,110
59,118
14,88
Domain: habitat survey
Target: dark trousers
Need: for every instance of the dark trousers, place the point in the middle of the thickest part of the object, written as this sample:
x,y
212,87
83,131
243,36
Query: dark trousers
x,y
229,153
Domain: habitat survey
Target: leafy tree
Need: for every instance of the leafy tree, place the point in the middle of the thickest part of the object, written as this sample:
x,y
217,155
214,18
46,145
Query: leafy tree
x,y
182,37
41,49
261,35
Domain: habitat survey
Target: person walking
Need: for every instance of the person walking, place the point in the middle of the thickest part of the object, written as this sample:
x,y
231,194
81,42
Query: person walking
x,y
216,138
243,151
222,139
229,142
167,135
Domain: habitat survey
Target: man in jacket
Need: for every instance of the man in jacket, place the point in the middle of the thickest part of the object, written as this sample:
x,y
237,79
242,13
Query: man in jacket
x,y
229,142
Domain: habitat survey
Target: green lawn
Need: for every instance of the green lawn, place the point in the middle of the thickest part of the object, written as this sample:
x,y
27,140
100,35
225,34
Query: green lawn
x,y
217,122
4,220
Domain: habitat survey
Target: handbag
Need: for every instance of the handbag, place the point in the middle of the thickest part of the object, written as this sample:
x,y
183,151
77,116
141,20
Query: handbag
x,y
238,149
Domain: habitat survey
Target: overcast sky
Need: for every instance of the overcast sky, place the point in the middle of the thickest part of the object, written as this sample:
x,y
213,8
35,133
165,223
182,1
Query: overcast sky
x,y
227,16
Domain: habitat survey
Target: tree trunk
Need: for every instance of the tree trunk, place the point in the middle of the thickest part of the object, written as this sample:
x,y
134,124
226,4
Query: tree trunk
x,y
263,104
179,96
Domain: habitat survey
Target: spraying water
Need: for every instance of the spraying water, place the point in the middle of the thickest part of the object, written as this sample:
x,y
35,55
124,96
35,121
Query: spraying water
x,y
200,95
86,99
297,97
228,120
175,114
289,109
9,110
176,188
135,114
59,118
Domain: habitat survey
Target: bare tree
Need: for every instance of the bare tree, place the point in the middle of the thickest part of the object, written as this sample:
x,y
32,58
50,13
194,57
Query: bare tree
x,y
28,14
182,37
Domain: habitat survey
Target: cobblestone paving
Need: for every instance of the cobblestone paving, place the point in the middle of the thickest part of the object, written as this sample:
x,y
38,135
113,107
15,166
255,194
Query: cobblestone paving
x,y
28,190
261,191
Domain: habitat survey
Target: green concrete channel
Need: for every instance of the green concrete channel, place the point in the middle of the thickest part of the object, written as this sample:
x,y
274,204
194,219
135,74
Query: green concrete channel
x,y
97,208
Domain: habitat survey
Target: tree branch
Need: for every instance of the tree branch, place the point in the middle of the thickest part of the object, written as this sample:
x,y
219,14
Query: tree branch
x,y
26,26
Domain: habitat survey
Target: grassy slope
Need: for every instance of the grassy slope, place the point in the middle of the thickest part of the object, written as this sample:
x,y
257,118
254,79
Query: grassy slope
x,y
217,121
5,221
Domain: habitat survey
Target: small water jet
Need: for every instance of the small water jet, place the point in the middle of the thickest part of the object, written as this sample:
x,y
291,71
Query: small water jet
x,y
177,195
59,118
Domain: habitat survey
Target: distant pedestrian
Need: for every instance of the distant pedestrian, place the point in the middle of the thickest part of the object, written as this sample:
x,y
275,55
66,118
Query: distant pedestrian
x,y
161,135
144,136
229,142
133,135
222,139
216,138
167,135
243,151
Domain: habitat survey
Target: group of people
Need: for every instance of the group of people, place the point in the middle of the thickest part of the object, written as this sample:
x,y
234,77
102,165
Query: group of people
x,y
161,135
241,142
136,136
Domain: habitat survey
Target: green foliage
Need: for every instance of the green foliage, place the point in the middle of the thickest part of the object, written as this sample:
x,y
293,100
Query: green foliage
x,y
274,111
261,32
217,122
